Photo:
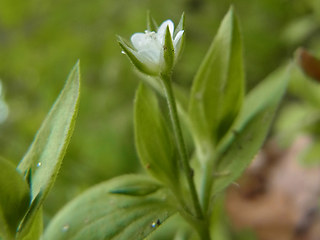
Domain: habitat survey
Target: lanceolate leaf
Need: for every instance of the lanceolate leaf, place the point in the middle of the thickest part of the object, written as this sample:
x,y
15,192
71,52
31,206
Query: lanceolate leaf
x,y
14,199
99,214
250,129
218,88
154,141
45,154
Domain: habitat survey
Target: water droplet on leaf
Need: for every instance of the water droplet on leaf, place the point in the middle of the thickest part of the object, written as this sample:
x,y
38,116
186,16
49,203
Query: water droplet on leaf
x,y
65,228
39,164
156,224
123,52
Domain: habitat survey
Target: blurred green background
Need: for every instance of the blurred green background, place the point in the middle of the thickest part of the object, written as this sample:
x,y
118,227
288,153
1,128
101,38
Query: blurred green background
x,y
40,41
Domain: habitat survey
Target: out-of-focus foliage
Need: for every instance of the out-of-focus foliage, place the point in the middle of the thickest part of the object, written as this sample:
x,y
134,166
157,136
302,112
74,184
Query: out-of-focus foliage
x,y
41,40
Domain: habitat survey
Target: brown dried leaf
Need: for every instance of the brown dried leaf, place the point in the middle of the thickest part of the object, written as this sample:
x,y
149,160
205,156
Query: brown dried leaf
x,y
277,197
308,63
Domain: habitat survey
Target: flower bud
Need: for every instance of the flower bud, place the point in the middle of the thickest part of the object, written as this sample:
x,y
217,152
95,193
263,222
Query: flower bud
x,y
155,52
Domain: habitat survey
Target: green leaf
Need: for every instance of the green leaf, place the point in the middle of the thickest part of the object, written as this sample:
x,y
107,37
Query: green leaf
x,y
154,141
14,199
98,214
218,88
35,230
45,154
250,129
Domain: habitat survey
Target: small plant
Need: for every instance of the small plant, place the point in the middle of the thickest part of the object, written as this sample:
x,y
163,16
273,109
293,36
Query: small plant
x,y
224,129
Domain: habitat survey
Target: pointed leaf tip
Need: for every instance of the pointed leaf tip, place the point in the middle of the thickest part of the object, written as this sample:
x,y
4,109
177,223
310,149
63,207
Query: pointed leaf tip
x,y
78,63
152,25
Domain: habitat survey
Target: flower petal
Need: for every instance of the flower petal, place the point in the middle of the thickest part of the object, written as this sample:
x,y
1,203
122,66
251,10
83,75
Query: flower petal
x,y
162,30
151,54
146,40
140,61
138,40
177,38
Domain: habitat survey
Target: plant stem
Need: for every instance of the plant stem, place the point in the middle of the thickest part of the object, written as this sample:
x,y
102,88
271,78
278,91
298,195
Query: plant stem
x,y
166,81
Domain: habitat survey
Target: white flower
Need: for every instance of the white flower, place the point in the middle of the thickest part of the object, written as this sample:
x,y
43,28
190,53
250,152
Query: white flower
x,y
149,45
154,52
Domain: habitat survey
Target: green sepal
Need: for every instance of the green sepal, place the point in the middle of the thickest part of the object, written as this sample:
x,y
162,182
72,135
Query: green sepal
x,y
181,25
180,45
144,67
168,54
152,25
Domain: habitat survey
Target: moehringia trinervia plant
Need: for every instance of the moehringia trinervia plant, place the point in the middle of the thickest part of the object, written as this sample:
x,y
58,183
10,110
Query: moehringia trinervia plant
x,y
215,113
188,164
155,53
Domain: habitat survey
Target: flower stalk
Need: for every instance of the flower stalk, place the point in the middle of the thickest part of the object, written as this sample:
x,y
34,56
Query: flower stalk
x,y
166,82
202,228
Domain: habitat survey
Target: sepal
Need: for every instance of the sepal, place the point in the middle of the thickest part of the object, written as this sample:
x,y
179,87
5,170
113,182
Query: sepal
x,y
152,25
137,60
168,54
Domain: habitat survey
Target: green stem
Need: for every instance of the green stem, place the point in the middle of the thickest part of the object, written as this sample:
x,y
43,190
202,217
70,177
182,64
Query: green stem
x,y
166,81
